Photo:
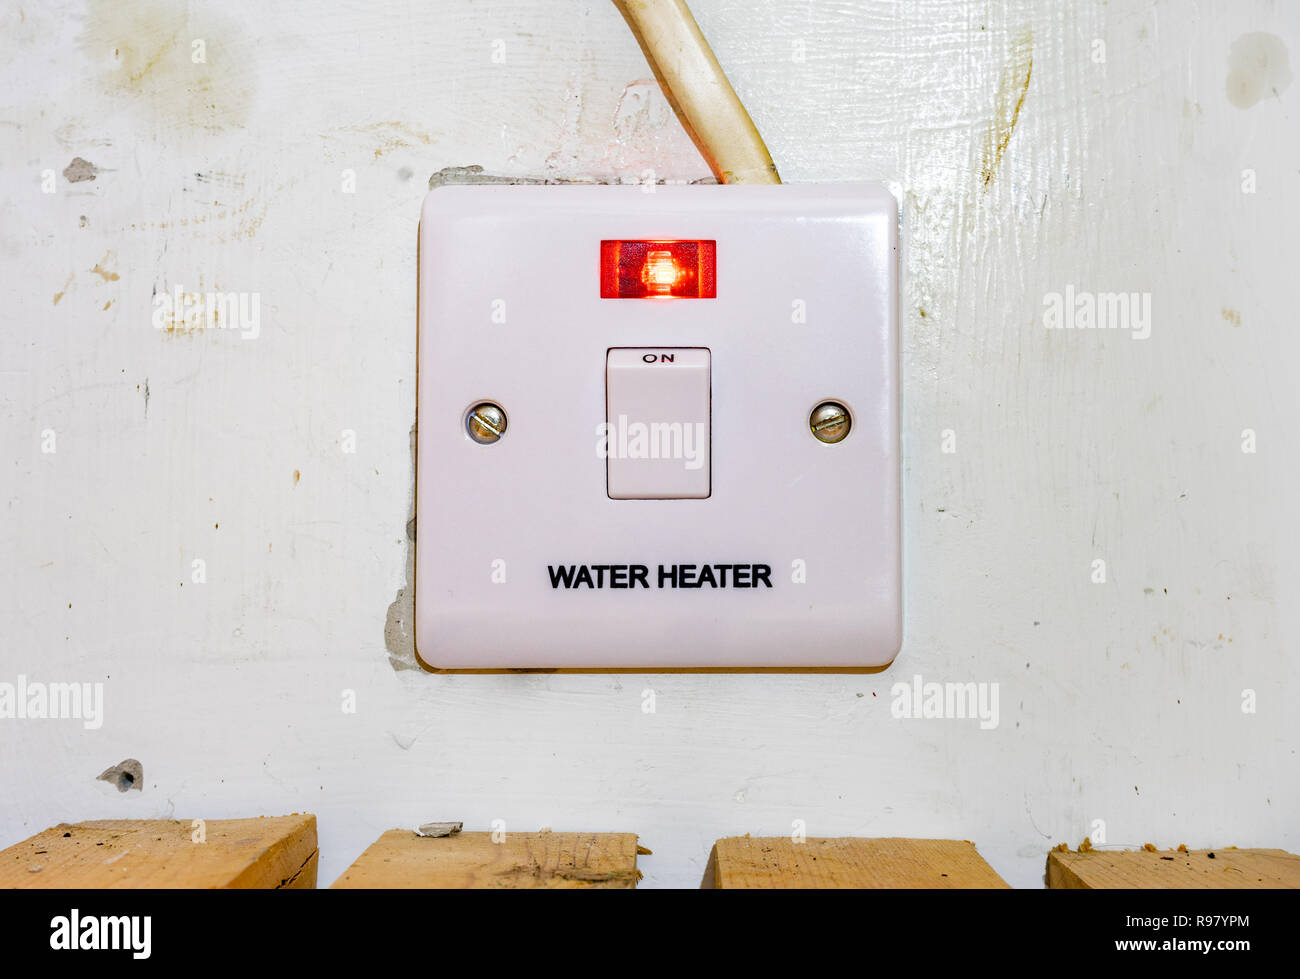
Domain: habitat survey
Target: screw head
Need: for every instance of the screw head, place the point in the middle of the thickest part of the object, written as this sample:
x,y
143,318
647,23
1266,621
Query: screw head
x,y
485,423
830,422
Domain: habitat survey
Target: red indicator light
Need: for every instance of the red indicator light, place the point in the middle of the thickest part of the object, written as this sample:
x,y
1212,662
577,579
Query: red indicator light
x,y
660,272
661,269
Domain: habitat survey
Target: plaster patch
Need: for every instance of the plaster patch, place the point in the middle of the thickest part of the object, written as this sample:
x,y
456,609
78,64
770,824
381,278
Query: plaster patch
x,y
399,624
79,170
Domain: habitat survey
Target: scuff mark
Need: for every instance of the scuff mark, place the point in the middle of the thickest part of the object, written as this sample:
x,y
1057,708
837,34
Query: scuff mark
x,y
233,221
393,136
1012,89
220,177
577,876
79,170
74,135
146,397
126,775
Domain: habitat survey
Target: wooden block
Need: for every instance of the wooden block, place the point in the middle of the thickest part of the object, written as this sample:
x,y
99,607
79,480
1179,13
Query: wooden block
x,y
269,852
1230,868
400,859
844,862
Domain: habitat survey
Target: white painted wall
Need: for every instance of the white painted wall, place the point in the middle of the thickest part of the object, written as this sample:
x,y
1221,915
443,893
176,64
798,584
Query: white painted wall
x,y
1119,702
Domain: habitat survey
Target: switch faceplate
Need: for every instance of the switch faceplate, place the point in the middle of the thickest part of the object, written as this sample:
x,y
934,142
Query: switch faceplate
x,y
736,538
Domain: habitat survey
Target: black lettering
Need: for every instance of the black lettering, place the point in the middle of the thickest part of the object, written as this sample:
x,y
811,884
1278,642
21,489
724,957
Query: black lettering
x,y
670,575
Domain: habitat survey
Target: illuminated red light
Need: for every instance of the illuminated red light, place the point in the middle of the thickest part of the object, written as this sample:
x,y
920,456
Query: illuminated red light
x,y
660,272
658,269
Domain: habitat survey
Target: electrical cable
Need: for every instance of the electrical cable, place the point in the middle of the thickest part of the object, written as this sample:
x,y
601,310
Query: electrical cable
x,y
698,91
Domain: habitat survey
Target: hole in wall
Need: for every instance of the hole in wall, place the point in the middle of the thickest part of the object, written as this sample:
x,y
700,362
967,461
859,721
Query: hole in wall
x,y
126,775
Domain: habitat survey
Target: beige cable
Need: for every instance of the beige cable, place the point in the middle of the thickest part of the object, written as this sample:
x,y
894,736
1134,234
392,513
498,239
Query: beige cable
x,y
698,91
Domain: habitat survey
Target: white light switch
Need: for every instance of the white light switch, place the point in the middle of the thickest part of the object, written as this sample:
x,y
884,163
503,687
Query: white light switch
x,y
658,430
657,423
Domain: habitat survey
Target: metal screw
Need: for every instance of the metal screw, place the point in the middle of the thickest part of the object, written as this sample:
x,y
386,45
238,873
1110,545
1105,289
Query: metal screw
x,y
830,422
486,423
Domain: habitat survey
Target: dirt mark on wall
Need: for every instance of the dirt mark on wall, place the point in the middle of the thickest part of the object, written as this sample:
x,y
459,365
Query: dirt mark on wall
x,y
171,61
1013,86
1258,67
